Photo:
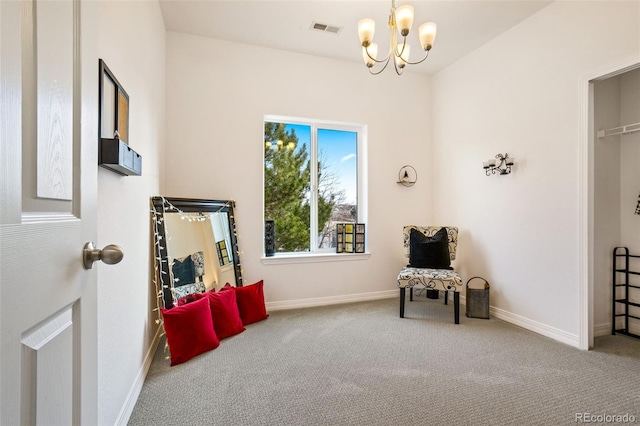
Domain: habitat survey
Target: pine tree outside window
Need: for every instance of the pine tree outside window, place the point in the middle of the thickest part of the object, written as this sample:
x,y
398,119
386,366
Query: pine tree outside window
x,y
313,178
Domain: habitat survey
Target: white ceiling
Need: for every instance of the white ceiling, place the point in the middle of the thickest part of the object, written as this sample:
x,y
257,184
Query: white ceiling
x,y
463,26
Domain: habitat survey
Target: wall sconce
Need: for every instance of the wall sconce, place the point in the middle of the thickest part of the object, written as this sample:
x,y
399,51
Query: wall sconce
x,y
407,176
501,165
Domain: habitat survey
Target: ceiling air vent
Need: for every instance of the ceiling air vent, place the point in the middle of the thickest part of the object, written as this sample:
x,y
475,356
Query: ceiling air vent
x,y
317,26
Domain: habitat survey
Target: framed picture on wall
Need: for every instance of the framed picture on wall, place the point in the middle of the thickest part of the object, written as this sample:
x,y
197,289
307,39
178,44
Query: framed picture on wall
x,y
114,106
114,152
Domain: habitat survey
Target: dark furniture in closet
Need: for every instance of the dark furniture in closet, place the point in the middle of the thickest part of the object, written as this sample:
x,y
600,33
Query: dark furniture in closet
x,y
626,295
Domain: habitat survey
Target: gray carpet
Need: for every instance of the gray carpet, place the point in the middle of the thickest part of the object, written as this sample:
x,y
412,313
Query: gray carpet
x,y
360,364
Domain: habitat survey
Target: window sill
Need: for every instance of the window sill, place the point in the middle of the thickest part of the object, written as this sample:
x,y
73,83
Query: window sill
x,y
281,259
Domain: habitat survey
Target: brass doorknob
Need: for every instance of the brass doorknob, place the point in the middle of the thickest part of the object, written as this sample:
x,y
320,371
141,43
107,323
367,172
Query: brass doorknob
x,y
110,255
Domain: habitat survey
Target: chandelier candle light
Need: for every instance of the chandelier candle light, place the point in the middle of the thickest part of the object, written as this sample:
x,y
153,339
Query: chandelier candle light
x,y
400,20
501,165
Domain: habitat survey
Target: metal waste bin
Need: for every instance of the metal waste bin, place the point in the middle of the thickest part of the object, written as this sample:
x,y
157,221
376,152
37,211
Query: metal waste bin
x,y
477,300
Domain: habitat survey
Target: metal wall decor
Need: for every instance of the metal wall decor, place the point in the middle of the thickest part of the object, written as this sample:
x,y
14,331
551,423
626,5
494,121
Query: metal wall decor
x,y
407,176
501,165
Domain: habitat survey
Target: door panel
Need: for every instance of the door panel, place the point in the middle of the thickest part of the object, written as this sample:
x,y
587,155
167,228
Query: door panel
x,y
48,353
54,58
47,372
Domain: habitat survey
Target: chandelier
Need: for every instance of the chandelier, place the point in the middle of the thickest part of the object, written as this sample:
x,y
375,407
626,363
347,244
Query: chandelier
x,y
400,19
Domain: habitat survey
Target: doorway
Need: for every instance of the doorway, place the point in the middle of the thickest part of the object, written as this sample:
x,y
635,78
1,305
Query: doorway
x,y
613,187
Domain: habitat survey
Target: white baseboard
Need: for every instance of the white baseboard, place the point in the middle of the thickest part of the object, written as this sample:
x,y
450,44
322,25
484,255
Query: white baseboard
x,y
536,327
526,323
134,393
331,300
602,329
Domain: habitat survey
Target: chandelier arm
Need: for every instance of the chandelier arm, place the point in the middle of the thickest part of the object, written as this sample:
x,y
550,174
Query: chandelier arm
x,y
395,66
366,49
421,60
382,69
395,48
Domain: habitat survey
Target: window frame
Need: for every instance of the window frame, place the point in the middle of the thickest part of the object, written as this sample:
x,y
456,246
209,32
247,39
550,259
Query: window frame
x,y
328,254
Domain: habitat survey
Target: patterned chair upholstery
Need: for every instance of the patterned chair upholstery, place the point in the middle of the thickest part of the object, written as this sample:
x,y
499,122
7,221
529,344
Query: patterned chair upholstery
x,y
434,279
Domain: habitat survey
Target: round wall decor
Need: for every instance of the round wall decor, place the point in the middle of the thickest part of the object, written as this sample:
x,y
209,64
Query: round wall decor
x,y
407,176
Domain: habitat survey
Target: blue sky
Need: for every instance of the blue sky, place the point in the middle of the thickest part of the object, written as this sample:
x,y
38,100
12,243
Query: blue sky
x,y
338,151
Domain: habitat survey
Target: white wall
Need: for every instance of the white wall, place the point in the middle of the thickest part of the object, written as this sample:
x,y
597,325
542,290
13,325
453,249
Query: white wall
x,y
630,161
606,199
217,95
521,93
132,43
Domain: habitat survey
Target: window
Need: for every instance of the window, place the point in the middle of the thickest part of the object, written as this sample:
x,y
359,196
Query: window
x,y
312,180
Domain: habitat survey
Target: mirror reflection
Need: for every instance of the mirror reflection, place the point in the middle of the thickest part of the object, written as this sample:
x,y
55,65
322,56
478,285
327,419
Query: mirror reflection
x,y
196,246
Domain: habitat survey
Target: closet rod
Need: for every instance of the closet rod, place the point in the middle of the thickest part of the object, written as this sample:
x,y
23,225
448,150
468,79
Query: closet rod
x,y
622,130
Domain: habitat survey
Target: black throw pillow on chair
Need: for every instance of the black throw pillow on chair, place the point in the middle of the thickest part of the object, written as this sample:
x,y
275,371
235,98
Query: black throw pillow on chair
x,y
429,252
184,272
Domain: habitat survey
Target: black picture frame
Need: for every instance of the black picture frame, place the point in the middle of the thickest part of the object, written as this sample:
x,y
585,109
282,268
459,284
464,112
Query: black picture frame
x,y
114,106
114,152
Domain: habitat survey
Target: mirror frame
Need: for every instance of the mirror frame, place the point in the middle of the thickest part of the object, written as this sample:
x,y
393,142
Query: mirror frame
x,y
159,206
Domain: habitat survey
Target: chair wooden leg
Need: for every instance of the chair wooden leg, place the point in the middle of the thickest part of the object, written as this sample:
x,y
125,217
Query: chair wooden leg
x,y
446,297
402,295
410,294
456,306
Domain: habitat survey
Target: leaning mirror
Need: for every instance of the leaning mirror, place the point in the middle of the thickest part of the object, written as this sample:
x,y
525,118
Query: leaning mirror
x,y
196,246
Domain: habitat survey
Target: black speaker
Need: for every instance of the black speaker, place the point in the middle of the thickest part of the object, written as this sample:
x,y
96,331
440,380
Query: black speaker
x,y
269,237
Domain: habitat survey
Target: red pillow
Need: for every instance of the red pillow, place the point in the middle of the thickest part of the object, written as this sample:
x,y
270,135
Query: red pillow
x,y
250,300
189,330
224,311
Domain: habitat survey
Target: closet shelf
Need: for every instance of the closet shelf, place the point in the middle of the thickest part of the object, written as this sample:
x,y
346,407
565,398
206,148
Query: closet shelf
x,y
622,130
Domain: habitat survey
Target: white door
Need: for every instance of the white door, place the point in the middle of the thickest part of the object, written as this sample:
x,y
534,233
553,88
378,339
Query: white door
x,y
48,170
